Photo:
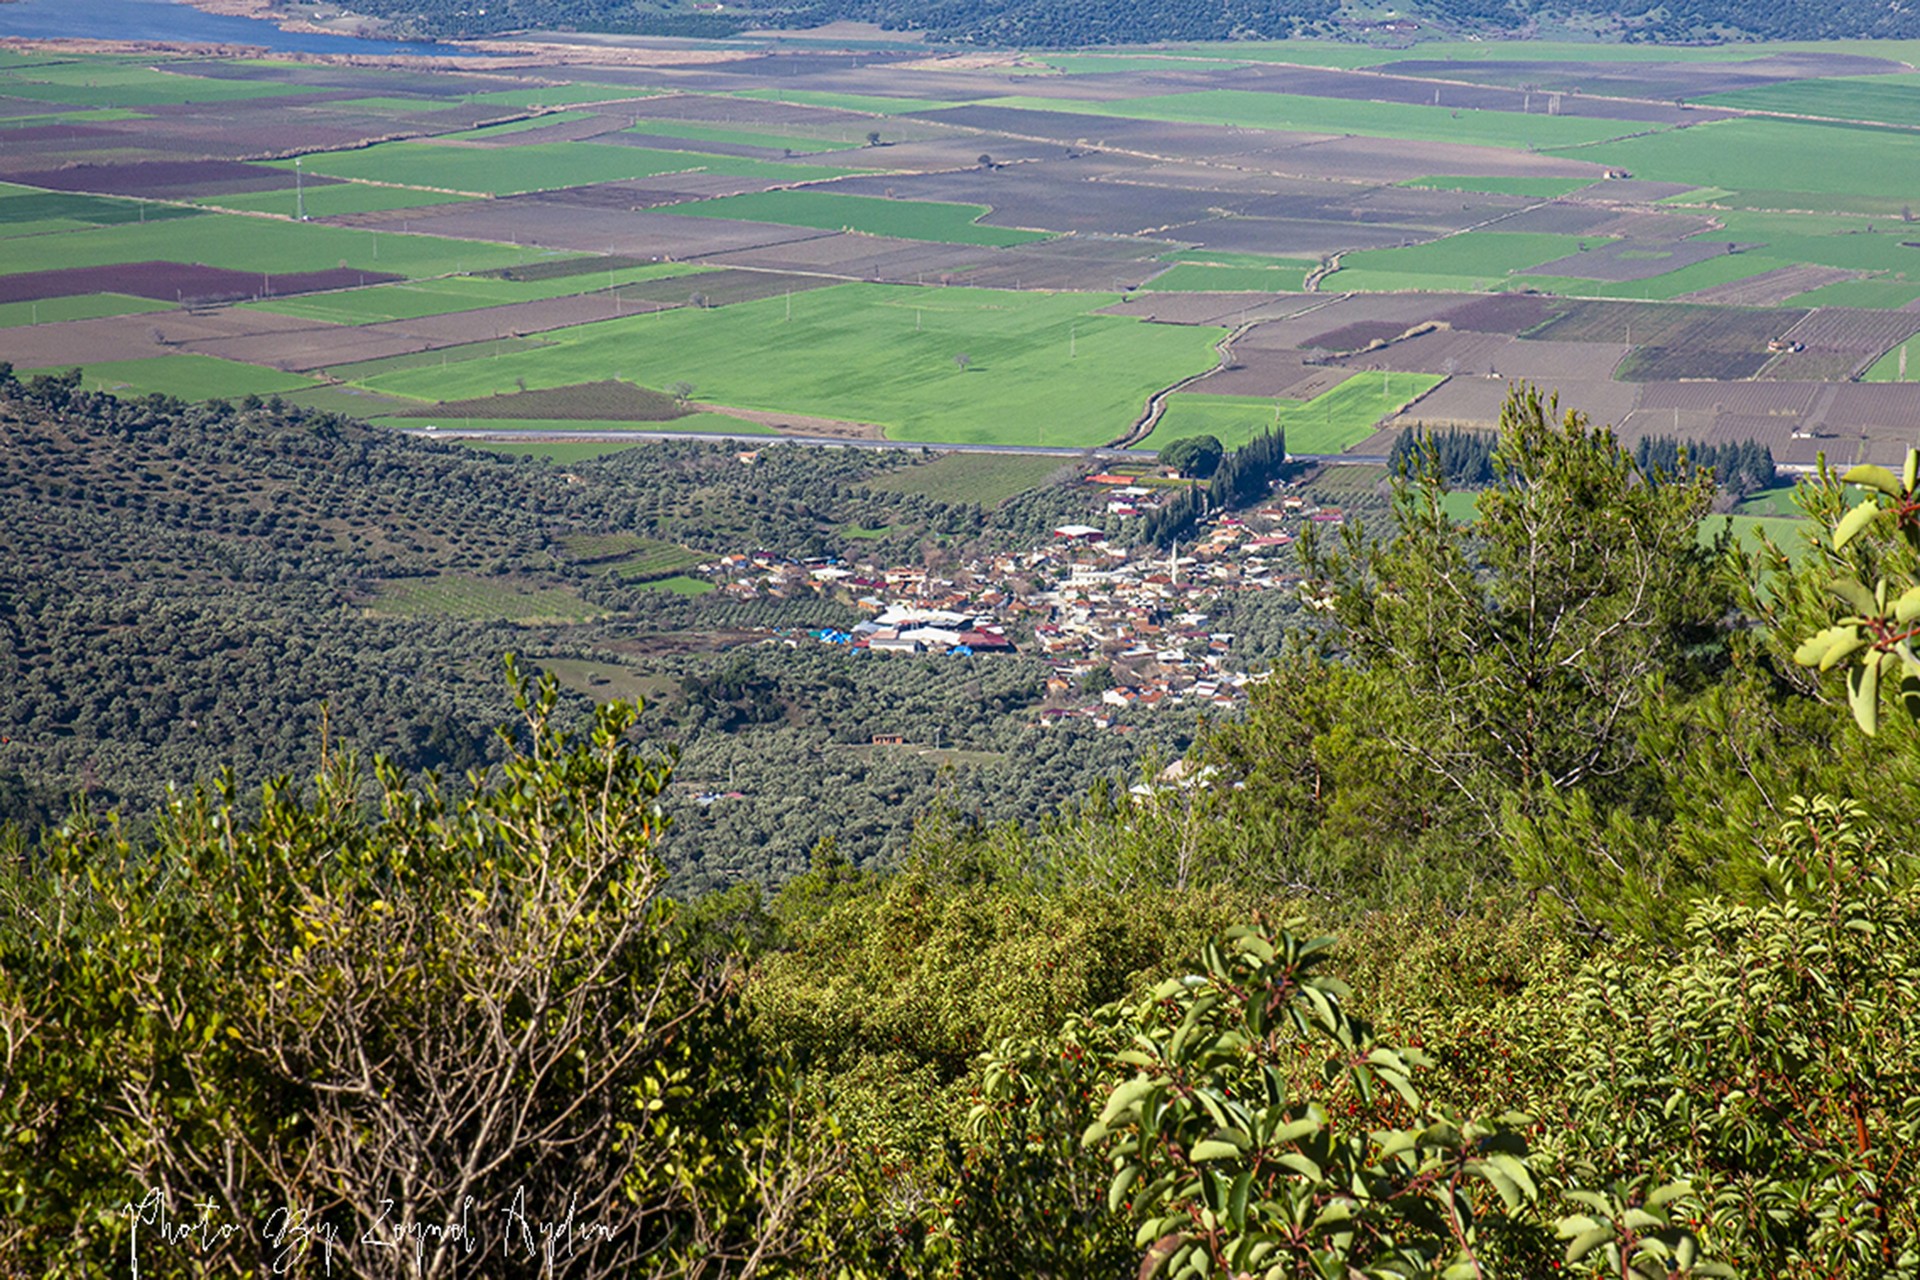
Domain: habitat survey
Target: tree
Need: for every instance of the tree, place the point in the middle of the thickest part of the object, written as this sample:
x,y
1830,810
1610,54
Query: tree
x,y
1193,455
439,1023
873,137
961,361
1492,677
986,160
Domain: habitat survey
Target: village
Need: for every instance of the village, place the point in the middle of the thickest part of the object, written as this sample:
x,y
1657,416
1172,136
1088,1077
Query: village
x,y
1123,627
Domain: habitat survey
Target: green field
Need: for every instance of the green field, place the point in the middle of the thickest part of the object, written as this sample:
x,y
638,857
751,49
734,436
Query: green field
x,y
1755,158
1487,257
1777,501
654,560
333,199
102,115
679,585
1890,99
85,306
1543,188
189,377
1889,293
29,205
986,478
1329,423
545,166
1041,369
244,243
864,103
488,132
1887,367
488,349
1249,110
392,106
1348,414
696,131
1197,277
1232,420
412,300
1701,275
874,215
1790,534
453,595
104,84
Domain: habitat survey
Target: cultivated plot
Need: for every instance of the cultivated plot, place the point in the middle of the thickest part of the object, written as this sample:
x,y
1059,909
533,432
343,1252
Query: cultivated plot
x,y
905,219
959,365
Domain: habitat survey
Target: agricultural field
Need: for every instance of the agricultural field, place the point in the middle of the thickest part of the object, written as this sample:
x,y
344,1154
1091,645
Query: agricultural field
x,y
1232,420
442,296
984,478
264,246
771,139
1329,423
84,306
1537,188
1204,277
1865,99
937,364
1295,113
189,377
906,219
543,166
1025,255
475,599
332,200
1759,162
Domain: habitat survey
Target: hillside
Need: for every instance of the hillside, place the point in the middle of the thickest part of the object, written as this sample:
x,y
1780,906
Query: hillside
x,y
1017,23
190,589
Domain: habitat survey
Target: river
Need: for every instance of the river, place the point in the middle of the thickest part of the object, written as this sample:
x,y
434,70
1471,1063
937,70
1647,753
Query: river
x,y
170,20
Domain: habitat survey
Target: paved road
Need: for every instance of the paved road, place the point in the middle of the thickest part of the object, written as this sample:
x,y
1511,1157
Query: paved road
x,y
831,442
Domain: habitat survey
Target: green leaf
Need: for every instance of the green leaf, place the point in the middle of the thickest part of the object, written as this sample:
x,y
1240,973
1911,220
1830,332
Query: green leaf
x,y
1122,1182
1853,522
1869,476
1587,1241
1214,1149
1668,1194
1856,595
1125,1095
1863,695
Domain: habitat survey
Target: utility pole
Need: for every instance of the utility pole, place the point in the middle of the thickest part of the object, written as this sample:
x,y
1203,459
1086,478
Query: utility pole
x,y
299,193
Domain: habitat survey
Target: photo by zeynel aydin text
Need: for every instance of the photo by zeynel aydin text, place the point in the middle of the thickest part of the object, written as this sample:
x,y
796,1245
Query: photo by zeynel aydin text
x,y
853,640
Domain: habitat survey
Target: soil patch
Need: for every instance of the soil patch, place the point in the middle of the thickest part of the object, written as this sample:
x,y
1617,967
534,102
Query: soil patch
x,y
178,282
162,177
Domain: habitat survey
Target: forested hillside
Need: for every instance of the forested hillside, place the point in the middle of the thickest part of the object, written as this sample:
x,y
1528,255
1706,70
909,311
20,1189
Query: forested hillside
x,y
1554,911
191,589
1016,23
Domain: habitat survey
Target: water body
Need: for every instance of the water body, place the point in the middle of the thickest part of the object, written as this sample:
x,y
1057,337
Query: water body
x,y
171,20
